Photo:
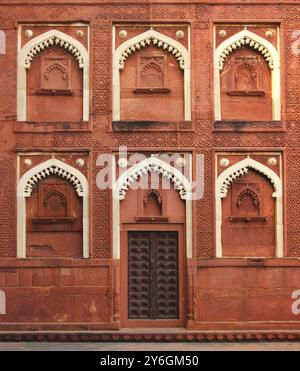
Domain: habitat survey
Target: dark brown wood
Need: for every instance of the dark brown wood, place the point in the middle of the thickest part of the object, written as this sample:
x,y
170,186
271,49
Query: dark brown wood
x,y
153,275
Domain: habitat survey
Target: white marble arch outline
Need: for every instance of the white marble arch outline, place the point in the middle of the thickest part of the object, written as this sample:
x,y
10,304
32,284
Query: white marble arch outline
x,y
224,181
148,165
275,71
2,302
32,177
2,42
117,66
22,66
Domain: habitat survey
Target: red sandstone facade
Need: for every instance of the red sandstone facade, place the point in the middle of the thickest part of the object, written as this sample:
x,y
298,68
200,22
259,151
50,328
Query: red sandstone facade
x,y
213,78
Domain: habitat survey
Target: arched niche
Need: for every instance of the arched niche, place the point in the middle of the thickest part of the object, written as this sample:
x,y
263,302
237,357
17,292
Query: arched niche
x,y
58,68
247,79
152,65
262,188
54,177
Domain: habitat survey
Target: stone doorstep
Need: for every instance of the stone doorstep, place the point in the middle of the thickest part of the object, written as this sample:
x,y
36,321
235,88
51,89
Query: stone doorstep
x,y
150,335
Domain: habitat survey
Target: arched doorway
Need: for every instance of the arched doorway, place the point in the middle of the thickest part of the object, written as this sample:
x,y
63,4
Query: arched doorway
x,y
155,244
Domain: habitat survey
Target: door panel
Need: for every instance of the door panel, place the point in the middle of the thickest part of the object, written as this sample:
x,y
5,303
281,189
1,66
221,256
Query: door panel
x,y
153,279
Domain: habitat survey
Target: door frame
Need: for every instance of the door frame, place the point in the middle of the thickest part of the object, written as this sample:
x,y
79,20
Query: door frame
x,y
182,272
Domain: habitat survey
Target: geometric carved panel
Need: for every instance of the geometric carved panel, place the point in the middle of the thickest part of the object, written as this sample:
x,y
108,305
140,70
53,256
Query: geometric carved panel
x,y
55,73
54,200
150,72
246,200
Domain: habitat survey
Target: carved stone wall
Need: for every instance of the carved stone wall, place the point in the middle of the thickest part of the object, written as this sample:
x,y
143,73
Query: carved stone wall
x,y
60,287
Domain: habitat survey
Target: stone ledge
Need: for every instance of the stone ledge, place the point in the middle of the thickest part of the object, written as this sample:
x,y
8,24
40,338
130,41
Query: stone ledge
x,y
161,336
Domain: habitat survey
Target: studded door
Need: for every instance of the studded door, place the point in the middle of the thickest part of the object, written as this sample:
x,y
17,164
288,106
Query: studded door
x,y
153,283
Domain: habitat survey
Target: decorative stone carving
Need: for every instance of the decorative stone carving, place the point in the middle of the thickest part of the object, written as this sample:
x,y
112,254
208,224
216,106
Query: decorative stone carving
x,y
156,166
151,72
143,40
242,168
248,193
27,162
247,41
50,42
222,33
180,34
55,74
245,77
54,193
53,200
152,40
239,43
80,34
122,162
55,170
224,162
269,33
40,173
272,161
123,34
80,162
28,33
153,192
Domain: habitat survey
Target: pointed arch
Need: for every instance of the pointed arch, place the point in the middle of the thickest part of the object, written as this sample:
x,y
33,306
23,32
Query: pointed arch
x,y
247,38
233,172
155,38
151,37
267,50
224,181
49,39
149,165
31,178
42,42
156,165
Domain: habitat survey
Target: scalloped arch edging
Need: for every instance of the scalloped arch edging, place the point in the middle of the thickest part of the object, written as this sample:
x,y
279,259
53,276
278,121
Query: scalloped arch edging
x,y
237,170
49,39
54,167
152,164
148,38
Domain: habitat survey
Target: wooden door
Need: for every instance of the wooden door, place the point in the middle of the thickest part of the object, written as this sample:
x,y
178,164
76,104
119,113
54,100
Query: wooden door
x,y
153,275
